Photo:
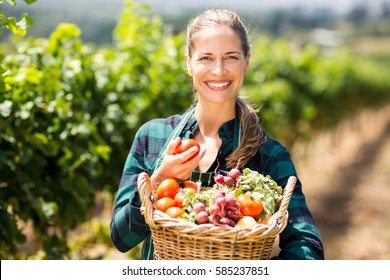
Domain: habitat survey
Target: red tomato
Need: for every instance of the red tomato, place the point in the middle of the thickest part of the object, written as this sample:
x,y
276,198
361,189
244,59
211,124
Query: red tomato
x,y
189,185
248,206
179,199
164,203
175,212
185,145
167,188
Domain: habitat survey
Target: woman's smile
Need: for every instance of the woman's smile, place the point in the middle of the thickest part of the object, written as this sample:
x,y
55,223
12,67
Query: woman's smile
x,y
218,85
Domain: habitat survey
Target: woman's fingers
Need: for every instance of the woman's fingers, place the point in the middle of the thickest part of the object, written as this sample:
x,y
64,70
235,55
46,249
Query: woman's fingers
x,y
188,154
179,166
172,146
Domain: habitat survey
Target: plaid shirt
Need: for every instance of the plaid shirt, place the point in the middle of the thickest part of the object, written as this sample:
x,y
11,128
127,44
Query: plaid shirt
x,y
299,240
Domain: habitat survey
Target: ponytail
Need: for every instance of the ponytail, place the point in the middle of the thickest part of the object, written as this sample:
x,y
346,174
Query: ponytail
x,y
252,134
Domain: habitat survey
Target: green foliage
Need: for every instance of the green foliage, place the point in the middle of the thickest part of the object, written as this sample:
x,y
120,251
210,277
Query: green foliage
x,y
69,111
17,27
52,152
303,91
90,234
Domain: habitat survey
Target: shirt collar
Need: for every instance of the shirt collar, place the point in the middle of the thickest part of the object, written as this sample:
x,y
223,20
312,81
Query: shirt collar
x,y
227,129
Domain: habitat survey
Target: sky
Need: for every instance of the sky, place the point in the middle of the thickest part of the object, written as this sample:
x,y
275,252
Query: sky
x,y
48,13
177,6
339,6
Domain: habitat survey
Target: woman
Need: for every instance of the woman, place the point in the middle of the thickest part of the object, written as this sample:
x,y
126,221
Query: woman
x,y
227,128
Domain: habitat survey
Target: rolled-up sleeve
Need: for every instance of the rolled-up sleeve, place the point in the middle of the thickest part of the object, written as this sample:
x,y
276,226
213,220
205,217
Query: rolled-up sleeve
x,y
128,227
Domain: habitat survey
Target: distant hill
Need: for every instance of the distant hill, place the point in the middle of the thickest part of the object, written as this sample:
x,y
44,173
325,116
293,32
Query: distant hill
x,y
97,18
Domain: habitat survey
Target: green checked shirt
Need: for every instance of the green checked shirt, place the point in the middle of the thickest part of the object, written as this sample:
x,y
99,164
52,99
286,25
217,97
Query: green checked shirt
x,y
299,240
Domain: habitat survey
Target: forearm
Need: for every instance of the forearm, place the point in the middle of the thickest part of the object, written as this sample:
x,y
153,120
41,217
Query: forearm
x,y
128,227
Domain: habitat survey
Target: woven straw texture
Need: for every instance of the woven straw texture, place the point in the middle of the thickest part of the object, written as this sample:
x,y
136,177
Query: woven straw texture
x,y
175,239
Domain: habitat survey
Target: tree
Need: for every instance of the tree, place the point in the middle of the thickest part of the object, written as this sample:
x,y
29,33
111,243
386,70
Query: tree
x,y
358,14
11,23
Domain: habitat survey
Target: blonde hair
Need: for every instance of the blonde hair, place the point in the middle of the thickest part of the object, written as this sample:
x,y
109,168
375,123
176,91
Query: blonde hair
x,y
252,134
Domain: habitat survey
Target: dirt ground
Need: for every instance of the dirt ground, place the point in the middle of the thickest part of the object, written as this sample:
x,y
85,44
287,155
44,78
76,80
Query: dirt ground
x,y
346,179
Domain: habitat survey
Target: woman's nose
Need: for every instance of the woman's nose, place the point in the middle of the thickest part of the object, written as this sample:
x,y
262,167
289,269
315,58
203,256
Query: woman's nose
x,y
218,68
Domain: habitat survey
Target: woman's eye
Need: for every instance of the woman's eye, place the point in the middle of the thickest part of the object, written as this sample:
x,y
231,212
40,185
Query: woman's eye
x,y
232,57
205,58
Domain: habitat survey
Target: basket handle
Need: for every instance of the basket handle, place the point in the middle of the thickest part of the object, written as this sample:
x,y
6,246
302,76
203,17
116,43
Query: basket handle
x,y
288,190
145,191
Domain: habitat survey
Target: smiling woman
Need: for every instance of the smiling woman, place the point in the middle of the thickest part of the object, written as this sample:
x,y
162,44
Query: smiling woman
x,y
217,65
229,134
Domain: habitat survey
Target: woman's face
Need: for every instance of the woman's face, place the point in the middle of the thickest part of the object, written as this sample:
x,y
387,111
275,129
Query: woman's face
x,y
217,65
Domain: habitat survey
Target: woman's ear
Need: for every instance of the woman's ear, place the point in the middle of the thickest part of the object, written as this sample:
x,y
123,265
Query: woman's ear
x,y
246,68
189,67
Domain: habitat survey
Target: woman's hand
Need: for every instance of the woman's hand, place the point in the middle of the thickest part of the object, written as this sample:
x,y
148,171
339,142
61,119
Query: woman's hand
x,y
177,166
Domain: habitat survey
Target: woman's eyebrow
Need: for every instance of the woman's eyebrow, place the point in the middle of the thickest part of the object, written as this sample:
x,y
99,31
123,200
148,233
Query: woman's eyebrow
x,y
230,52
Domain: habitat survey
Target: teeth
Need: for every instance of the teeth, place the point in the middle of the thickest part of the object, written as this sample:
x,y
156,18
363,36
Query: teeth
x,y
218,85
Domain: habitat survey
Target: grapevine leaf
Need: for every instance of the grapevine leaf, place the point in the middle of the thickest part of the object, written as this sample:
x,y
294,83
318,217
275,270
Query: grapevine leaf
x,y
12,2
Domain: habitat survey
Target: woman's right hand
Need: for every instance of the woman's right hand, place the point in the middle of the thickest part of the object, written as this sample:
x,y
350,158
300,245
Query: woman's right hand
x,y
178,166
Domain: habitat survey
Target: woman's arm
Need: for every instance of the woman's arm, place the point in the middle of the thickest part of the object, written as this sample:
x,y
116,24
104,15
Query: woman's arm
x,y
300,239
128,227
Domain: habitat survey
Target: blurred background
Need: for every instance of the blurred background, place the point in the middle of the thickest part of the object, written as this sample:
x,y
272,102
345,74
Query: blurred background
x,y
79,77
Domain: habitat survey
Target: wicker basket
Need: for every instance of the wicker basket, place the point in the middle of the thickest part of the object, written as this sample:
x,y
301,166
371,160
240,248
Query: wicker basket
x,y
175,239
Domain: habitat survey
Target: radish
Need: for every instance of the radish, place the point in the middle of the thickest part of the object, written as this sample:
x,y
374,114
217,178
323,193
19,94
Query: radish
x,y
202,217
230,200
198,207
220,202
227,221
219,179
215,210
233,213
228,180
214,220
234,173
217,195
